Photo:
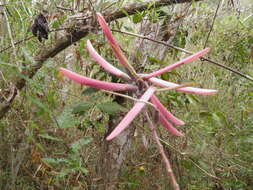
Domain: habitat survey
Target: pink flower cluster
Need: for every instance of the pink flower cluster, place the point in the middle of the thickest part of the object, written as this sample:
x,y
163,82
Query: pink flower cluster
x,y
138,82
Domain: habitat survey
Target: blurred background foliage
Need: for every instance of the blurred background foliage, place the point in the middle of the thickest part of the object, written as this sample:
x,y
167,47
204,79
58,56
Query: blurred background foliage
x,y
50,139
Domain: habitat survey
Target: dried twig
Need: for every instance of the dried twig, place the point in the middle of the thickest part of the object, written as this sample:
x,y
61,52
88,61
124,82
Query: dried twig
x,y
162,152
188,52
18,42
214,18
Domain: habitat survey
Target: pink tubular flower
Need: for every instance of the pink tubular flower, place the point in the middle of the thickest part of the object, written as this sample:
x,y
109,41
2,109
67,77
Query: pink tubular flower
x,y
115,46
169,126
107,30
192,90
96,83
173,66
107,66
166,113
131,114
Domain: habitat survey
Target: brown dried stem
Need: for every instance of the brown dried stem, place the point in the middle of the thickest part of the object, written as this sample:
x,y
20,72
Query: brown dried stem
x,y
188,52
162,152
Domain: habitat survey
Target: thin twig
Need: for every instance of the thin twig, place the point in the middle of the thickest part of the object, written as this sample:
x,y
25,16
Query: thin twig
x,y
18,42
214,18
188,52
10,34
129,97
162,152
146,102
63,8
30,37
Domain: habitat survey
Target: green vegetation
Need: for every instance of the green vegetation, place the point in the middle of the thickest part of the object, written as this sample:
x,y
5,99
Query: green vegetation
x,y
52,135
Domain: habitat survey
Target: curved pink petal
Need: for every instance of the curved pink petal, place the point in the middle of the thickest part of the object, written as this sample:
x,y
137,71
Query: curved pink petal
x,y
192,90
107,66
169,126
96,83
184,61
106,29
166,113
115,46
124,123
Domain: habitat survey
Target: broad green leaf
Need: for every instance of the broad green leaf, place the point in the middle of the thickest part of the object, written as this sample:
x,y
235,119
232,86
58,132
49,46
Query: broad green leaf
x,y
81,142
67,119
46,136
82,108
89,91
111,108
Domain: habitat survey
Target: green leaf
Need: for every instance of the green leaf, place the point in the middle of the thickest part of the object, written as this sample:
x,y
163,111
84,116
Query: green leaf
x,y
125,12
28,56
81,108
111,108
66,119
51,160
154,60
38,103
138,17
81,142
219,118
46,136
64,172
192,98
89,91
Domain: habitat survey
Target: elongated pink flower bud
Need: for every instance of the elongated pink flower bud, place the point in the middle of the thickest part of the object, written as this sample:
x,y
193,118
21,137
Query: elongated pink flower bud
x,y
106,29
166,113
97,83
192,90
125,122
107,66
173,66
169,126
115,46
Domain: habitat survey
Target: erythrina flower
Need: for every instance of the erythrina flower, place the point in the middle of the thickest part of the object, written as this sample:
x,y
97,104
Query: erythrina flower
x,y
140,80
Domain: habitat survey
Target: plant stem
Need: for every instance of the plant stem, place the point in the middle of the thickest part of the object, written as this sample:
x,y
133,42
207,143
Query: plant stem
x,y
188,52
162,152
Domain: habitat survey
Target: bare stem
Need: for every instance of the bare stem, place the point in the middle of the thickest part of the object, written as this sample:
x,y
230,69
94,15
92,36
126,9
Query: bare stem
x,y
188,52
214,18
162,152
